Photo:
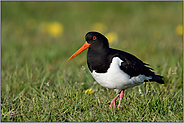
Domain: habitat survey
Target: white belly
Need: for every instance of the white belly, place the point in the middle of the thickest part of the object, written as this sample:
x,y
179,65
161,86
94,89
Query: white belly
x,y
117,79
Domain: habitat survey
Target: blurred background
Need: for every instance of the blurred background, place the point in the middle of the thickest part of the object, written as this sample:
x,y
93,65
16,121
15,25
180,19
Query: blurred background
x,y
37,38
41,36
52,31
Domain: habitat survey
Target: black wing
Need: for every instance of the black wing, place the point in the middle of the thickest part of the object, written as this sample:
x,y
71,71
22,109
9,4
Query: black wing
x,y
134,66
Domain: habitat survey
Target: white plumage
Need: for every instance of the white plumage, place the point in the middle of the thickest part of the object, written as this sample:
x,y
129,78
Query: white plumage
x,y
117,79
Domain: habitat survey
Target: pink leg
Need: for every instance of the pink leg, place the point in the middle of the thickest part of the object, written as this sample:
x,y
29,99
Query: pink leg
x,y
113,102
121,97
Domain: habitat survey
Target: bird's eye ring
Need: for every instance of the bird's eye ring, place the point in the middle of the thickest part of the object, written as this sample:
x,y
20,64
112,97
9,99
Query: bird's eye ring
x,y
94,37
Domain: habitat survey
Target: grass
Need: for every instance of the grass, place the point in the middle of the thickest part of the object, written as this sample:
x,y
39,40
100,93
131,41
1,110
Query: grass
x,y
38,84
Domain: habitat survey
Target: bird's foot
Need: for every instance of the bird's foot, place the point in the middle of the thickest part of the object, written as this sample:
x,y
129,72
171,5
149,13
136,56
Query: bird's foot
x,y
121,97
113,102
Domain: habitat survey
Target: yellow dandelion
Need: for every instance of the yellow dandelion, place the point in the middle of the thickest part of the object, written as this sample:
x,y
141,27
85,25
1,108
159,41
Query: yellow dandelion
x,y
88,91
112,37
179,30
31,23
100,27
55,29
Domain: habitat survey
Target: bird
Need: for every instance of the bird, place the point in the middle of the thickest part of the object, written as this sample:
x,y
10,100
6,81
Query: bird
x,y
115,69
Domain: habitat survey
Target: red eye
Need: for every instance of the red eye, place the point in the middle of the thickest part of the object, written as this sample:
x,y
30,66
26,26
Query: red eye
x,y
94,37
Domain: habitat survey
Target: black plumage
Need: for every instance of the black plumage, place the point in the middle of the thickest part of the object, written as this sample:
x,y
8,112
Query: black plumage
x,y
99,58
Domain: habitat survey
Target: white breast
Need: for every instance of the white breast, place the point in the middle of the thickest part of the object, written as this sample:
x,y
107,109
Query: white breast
x,y
117,79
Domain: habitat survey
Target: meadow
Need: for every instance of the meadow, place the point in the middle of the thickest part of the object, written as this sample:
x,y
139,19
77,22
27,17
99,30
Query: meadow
x,y
39,84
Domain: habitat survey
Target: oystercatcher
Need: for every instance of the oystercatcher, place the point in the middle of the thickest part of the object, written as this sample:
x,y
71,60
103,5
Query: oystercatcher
x,y
115,69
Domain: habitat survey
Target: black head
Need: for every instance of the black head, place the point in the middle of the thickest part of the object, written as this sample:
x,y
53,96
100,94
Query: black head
x,y
96,40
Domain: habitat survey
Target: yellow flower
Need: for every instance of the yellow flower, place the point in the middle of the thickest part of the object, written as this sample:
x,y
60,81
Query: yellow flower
x,y
112,37
88,91
55,28
99,27
179,30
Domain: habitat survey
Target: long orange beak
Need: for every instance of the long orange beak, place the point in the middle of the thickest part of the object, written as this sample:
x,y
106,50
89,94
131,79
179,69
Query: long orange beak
x,y
85,46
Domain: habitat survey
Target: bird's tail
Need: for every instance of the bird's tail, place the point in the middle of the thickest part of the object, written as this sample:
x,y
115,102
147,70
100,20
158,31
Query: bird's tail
x,y
158,78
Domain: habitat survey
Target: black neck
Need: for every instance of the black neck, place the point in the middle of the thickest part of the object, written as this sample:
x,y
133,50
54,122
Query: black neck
x,y
97,58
